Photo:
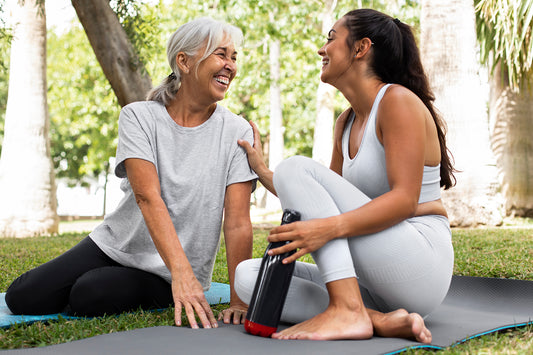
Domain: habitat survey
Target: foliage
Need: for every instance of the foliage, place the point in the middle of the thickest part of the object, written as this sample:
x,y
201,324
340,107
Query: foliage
x,y
505,33
139,20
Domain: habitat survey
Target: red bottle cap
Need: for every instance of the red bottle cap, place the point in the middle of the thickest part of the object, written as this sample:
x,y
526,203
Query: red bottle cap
x,y
259,329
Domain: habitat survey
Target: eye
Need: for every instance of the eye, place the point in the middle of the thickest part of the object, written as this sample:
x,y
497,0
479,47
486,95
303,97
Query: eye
x,y
329,39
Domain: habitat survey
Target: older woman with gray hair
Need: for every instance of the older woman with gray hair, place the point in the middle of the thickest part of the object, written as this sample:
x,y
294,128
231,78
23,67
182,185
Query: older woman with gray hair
x,y
182,171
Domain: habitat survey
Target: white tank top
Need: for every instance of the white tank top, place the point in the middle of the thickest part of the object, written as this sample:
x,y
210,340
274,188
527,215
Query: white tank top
x,y
368,171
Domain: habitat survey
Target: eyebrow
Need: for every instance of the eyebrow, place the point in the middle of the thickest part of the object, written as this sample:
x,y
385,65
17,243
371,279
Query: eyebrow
x,y
332,30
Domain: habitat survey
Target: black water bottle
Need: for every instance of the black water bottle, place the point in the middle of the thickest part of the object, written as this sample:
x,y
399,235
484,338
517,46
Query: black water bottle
x,y
271,287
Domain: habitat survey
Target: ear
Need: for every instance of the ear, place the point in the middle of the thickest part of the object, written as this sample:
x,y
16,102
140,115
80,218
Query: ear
x,y
362,47
184,63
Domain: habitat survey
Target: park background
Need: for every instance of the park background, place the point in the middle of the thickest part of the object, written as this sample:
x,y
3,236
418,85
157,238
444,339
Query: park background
x,y
58,129
59,109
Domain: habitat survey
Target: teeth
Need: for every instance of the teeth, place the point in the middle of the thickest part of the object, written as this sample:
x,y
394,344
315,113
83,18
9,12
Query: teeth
x,y
324,62
222,79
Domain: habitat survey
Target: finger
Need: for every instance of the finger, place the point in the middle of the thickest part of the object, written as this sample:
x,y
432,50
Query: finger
x,y
294,257
239,317
244,143
177,314
228,313
200,311
283,249
190,316
210,314
257,135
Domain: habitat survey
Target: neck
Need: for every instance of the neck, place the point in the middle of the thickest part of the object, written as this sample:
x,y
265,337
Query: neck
x,y
187,111
361,96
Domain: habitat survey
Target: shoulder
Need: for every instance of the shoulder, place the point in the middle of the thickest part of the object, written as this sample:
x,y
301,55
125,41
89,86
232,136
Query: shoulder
x,y
232,120
400,104
141,106
398,98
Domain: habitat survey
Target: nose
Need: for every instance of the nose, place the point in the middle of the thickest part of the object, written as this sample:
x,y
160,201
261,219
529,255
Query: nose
x,y
230,65
322,52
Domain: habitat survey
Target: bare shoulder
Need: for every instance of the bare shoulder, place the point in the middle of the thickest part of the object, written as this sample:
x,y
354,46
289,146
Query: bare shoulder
x,y
401,103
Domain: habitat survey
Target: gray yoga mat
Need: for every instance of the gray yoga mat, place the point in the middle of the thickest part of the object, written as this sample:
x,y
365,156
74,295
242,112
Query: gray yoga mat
x,y
474,306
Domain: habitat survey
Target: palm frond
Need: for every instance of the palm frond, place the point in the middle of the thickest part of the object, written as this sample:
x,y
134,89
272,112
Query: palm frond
x,y
504,29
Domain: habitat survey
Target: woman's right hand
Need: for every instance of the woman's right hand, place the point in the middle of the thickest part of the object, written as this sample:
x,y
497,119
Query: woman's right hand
x,y
255,152
189,294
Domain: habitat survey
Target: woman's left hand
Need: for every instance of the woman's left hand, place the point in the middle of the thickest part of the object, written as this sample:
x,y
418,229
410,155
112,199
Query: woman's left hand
x,y
305,237
236,314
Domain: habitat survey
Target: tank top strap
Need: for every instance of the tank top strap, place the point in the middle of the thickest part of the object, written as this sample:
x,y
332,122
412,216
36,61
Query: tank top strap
x,y
377,100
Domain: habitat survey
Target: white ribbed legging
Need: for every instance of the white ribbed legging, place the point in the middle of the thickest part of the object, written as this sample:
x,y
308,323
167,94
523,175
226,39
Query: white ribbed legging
x,y
405,266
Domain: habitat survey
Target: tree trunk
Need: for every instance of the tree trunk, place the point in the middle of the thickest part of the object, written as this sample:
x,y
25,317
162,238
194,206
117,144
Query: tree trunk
x,y
325,110
28,205
275,155
448,49
114,51
511,124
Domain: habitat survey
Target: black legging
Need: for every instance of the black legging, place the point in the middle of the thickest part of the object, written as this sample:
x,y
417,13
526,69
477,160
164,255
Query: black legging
x,y
86,282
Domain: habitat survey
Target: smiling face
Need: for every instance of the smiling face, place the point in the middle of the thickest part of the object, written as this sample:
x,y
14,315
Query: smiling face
x,y
337,57
210,79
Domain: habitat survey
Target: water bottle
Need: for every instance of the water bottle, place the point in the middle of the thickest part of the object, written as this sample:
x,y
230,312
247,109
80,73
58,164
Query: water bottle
x,y
271,287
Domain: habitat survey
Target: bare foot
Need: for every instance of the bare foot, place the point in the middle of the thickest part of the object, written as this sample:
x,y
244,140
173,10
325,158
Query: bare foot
x,y
332,324
400,324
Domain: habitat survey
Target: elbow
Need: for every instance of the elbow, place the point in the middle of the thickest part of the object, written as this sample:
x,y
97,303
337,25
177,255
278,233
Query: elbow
x,y
409,205
144,199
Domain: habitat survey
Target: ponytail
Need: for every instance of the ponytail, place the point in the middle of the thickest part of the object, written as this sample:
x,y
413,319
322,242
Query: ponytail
x,y
165,91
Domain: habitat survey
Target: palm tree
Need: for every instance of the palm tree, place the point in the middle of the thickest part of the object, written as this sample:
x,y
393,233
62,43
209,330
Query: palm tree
x,y
27,188
505,33
448,50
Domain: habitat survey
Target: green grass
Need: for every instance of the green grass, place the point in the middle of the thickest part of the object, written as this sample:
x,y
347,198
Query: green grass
x,y
494,252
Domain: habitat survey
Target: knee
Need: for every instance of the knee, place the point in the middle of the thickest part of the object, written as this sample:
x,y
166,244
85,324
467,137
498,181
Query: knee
x,y
291,166
23,298
16,297
88,297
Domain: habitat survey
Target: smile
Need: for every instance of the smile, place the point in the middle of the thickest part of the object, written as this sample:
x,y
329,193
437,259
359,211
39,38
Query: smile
x,y
222,79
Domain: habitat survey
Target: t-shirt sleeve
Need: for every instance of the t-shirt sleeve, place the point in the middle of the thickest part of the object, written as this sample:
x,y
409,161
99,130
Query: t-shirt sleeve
x,y
133,141
240,170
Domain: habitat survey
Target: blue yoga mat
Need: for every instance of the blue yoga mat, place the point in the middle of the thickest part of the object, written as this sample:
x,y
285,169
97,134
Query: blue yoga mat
x,y
218,293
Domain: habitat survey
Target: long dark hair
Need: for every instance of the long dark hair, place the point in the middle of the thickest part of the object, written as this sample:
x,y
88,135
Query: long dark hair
x,y
396,59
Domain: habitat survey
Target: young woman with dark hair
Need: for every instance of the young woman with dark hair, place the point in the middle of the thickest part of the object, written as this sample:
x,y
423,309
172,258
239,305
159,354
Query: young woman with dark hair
x,y
374,222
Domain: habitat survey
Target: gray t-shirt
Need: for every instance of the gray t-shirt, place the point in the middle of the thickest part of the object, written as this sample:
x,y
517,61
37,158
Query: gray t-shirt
x,y
194,165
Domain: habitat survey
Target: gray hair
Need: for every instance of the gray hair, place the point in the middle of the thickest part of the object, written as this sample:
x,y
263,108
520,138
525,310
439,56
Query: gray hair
x,y
190,38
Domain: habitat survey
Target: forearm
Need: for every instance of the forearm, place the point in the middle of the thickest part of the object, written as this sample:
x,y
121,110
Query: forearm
x,y
379,214
266,177
238,242
164,236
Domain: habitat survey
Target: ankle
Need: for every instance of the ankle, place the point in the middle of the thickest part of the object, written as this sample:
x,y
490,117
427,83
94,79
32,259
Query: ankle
x,y
344,294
